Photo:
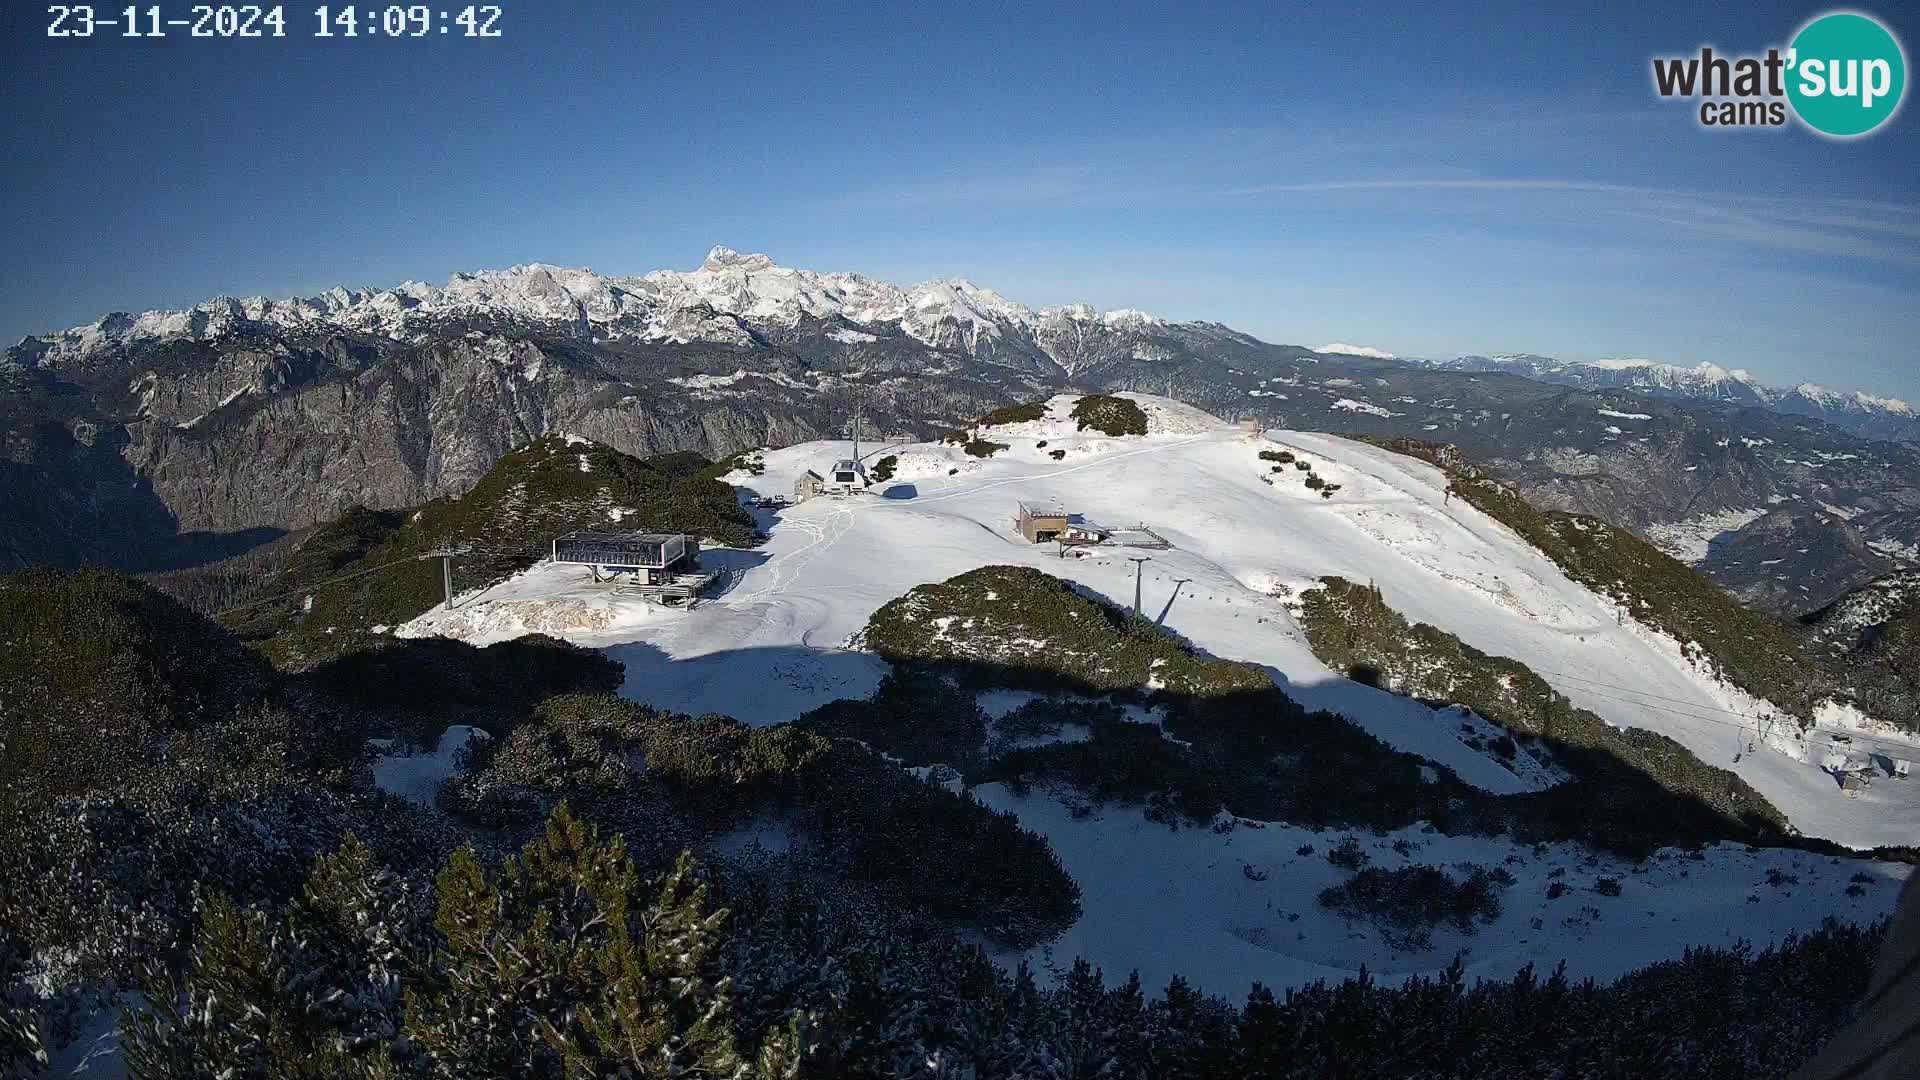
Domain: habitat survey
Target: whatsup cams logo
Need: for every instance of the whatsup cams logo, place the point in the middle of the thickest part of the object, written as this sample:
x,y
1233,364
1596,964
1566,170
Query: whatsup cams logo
x,y
1843,75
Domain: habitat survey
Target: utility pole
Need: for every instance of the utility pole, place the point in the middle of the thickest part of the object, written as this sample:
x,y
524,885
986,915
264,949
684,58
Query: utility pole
x,y
1137,561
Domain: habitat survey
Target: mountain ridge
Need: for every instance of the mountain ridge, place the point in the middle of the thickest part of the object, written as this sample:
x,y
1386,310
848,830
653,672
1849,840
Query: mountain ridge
x,y
1864,413
736,298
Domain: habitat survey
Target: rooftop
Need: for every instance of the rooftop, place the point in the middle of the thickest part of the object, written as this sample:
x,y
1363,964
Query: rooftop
x,y
622,537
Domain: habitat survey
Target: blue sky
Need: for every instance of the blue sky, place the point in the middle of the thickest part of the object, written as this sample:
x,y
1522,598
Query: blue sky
x,y
1433,180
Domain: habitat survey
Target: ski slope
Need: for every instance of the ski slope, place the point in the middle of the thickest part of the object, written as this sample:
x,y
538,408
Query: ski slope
x,y
779,641
1227,908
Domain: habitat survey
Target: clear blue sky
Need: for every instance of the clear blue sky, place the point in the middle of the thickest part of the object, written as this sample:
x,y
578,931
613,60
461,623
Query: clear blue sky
x,y
1448,178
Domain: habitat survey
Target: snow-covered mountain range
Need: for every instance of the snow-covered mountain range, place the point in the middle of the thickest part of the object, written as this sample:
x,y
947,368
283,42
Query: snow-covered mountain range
x,y
1864,413
741,299
732,298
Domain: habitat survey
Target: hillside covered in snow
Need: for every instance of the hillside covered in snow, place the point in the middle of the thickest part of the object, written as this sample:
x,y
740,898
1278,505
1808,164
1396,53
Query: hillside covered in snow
x,y
1359,723
1234,538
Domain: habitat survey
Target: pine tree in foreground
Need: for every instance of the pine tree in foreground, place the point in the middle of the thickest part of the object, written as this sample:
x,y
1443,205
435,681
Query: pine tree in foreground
x,y
562,965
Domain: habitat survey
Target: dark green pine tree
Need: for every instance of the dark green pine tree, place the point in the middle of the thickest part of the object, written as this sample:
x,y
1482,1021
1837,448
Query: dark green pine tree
x,y
309,992
1190,1035
565,965
1083,1046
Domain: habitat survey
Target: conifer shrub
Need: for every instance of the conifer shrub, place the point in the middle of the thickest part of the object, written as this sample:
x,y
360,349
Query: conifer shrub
x,y
419,685
1015,414
564,961
883,469
914,713
1109,415
1406,904
983,448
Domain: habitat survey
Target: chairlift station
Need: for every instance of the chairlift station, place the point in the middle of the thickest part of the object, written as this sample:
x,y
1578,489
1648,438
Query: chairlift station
x,y
664,567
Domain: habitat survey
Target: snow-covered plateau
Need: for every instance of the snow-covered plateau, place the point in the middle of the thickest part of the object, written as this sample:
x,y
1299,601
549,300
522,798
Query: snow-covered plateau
x,y
1231,905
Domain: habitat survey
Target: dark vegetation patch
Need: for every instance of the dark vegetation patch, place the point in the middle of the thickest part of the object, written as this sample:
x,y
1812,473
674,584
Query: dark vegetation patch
x,y
1045,635
982,448
1110,415
533,494
752,462
214,587
883,469
1015,414
1406,904
641,771
1348,854
1654,785
915,714
414,688
98,672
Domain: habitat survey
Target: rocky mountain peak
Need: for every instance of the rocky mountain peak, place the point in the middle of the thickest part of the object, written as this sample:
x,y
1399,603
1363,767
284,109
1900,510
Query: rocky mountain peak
x,y
725,258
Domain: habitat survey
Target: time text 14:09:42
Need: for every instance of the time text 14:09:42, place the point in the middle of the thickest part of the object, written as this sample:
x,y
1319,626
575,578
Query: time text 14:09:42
x,y
263,21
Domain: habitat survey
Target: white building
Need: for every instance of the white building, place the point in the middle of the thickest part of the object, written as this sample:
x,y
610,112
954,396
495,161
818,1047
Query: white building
x,y
846,477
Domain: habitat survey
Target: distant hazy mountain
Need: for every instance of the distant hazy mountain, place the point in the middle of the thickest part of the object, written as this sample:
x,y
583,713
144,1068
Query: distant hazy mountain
x,y
1860,412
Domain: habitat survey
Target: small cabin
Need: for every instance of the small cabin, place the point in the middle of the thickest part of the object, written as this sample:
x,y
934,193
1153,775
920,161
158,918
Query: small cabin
x,y
808,486
1041,523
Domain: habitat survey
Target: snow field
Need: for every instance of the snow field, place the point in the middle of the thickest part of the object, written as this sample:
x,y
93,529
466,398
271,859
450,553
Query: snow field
x,y
775,645
784,639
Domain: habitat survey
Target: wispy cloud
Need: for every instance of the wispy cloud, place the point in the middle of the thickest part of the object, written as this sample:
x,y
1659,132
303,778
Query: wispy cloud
x,y
1884,232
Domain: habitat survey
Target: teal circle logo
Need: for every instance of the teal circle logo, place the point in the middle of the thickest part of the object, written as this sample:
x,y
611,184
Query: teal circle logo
x,y
1846,74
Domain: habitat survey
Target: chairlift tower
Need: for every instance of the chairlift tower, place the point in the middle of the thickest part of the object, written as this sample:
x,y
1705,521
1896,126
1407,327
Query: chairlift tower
x,y
445,553
1138,562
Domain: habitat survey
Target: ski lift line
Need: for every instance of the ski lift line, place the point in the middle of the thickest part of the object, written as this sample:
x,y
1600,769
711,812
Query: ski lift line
x,y
1643,693
320,585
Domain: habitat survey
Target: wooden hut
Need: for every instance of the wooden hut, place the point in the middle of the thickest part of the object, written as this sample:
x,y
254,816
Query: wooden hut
x,y
1041,523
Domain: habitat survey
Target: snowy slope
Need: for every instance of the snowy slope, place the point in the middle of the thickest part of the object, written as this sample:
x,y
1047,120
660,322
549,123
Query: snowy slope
x,y
775,643
779,641
1227,908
